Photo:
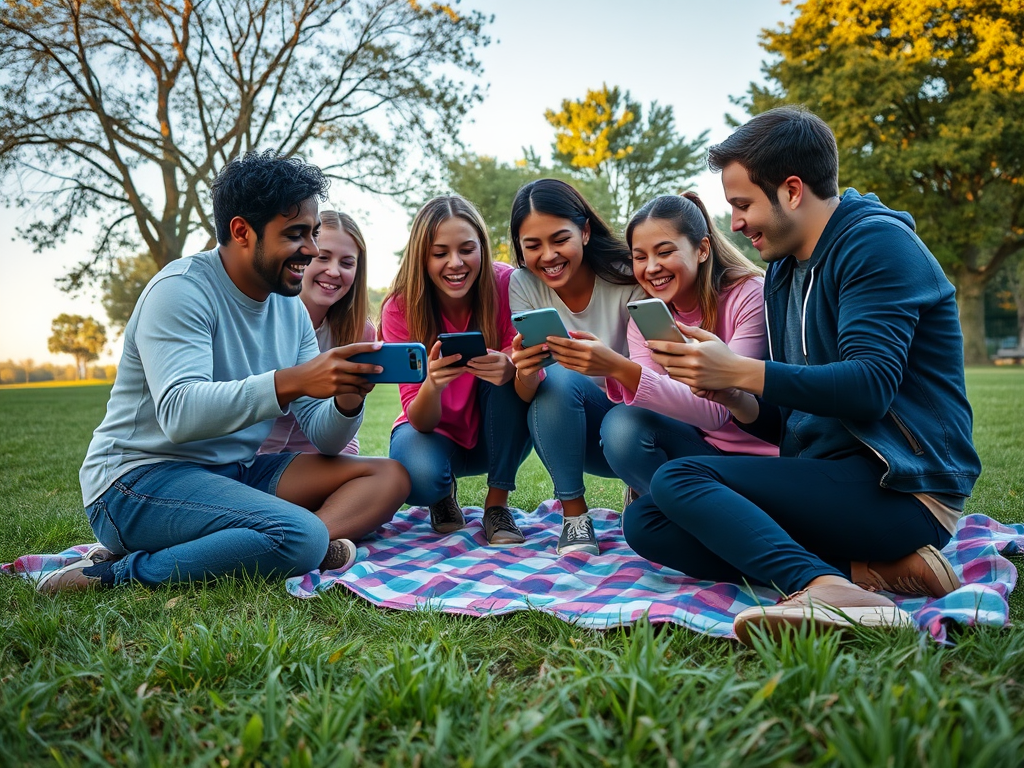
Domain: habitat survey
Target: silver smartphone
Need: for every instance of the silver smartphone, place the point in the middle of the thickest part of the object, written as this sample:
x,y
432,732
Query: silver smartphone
x,y
536,325
655,321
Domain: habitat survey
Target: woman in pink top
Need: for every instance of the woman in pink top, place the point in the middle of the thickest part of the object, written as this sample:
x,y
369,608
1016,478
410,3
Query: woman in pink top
x,y
466,418
680,257
334,293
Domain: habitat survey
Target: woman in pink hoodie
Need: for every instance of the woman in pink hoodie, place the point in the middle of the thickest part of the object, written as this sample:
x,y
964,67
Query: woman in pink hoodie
x,y
680,257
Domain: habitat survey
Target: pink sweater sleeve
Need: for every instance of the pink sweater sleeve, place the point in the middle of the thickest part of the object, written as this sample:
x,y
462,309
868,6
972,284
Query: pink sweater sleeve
x,y
740,325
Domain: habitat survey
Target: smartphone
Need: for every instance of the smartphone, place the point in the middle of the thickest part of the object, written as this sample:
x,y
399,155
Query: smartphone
x,y
403,363
655,321
469,344
536,325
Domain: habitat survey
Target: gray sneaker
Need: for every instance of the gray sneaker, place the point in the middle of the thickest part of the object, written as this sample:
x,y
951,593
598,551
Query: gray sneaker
x,y
446,515
500,527
341,555
578,536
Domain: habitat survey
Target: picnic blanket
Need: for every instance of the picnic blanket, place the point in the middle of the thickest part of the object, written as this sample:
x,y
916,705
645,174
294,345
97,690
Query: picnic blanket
x,y
407,566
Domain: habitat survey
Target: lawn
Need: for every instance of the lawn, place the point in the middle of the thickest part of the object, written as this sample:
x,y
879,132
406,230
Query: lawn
x,y
238,673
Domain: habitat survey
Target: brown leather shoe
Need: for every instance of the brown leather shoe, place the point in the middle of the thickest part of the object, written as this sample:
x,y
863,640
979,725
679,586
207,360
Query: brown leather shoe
x,y
838,606
924,572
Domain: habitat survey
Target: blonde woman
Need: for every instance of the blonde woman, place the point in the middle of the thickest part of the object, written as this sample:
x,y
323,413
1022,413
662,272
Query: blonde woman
x,y
466,418
334,293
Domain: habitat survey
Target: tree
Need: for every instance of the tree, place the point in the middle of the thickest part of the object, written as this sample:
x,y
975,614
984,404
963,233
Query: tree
x,y
123,285
926,103
605,136
123,111
81,337
724,223
492,185
1014,272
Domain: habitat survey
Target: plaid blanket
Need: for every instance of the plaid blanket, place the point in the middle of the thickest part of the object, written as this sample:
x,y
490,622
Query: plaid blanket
x,y
407,566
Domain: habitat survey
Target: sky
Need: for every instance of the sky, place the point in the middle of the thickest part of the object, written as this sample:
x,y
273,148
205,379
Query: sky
x,y
690,54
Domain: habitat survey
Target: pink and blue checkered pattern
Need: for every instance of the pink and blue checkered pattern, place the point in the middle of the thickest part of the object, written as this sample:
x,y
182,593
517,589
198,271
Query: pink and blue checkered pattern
x,y
407,566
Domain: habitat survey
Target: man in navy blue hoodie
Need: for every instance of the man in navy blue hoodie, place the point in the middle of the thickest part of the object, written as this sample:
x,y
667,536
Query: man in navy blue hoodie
x,y
863,391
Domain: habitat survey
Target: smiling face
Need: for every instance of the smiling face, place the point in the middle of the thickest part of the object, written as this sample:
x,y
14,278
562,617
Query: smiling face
x,y
665,262
553,249
771,229
453,262
288,245
330,275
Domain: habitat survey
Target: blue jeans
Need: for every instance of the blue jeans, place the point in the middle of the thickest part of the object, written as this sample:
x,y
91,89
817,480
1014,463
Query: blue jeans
x,y
179,521
432,459
565,423
637,442
775,521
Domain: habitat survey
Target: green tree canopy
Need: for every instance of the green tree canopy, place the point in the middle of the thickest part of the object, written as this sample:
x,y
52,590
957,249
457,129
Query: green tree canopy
x,y
927,103
491,186
81,337
122,112
123,285
607,136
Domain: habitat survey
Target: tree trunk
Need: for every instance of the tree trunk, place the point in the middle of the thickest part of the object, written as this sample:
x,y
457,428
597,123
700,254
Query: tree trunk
x,y
970,298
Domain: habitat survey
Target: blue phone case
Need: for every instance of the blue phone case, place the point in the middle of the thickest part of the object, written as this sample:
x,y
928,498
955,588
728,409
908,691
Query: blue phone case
x,y
536,325
403,363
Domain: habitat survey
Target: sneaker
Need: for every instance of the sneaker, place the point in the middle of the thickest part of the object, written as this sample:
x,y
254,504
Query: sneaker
x,y
341,555
446,515
924,572
629,497
830,605
93,570
578,536
500,527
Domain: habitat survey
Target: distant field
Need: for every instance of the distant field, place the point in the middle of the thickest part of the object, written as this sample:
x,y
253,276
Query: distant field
x,y
58,384
239,674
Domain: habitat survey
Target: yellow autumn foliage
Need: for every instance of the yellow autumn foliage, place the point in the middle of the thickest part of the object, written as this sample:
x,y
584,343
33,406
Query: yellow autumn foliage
x,y
585,130
914,32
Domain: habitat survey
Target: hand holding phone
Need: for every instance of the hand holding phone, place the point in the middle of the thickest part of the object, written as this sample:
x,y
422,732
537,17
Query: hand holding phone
x,y
469,345
655,321
442,369
401,363
534,327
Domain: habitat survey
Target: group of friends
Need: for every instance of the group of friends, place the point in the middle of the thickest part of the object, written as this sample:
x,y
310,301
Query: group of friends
x,y
812,434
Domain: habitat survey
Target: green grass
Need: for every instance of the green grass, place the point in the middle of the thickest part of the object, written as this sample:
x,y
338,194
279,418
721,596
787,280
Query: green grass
x,y
239,674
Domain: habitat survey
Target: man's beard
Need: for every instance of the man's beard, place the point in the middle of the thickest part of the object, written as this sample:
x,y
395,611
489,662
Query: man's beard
x,y
273,278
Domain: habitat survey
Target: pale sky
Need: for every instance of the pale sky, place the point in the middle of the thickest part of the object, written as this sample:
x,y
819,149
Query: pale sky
x,y
690,54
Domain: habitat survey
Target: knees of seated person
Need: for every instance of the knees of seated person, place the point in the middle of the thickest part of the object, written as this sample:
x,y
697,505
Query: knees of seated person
x,y
620,436
672,483
302,543
394,481
560,386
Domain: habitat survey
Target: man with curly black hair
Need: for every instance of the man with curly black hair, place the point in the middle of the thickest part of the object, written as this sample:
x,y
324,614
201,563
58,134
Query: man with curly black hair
x,y
216,349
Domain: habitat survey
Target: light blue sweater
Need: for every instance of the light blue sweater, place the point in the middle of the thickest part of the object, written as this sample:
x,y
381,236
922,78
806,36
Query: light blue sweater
x,y
196,379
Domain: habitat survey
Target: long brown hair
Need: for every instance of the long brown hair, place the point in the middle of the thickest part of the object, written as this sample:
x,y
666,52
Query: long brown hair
x,y
347,317
725,265
418,294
